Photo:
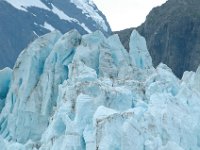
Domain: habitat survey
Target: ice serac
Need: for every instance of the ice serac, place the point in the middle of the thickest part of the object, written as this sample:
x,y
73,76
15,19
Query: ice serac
x,y
139,53
55,72
88,93
22,111
90,85
5,77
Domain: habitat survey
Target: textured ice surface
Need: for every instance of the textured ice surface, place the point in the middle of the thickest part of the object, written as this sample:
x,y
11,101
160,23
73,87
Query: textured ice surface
x,y
138,51
23,117
5,77
73,92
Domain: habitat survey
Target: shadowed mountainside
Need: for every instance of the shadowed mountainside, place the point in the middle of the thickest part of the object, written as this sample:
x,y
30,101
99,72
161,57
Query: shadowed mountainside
x,y
172,32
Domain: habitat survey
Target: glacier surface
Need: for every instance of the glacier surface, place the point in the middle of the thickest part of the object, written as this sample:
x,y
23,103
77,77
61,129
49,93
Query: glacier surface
x,y
73,92
5,77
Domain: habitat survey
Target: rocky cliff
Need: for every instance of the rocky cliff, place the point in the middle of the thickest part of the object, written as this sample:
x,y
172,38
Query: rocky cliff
x,y
172,32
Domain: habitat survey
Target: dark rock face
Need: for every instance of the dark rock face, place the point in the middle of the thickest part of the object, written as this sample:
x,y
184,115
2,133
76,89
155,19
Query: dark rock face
x,y
18,27
172,32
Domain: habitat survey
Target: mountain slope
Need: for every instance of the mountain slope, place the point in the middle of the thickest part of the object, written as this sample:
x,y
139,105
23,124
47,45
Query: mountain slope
x,y
22,21
172,32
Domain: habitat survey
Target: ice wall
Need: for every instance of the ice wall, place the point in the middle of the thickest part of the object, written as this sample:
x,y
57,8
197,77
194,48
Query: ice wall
x,y
73,92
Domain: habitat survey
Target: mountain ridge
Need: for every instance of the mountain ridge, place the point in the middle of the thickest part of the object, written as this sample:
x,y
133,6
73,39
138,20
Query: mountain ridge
x,y
23,21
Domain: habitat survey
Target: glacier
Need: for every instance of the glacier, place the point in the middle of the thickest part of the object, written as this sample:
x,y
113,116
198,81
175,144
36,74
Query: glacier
x,y
87,92
5,78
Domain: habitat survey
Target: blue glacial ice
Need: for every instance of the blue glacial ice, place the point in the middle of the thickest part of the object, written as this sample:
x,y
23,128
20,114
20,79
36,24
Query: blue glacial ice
x,y
5,77
73,92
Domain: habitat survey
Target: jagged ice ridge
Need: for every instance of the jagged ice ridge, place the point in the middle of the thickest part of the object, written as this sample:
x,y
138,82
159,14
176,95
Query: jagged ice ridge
x,y
73,92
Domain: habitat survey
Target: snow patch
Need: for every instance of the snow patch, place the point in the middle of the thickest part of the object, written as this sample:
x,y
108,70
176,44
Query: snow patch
x,y
24,4
48,26
87,7
61,14
35,33
86,28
